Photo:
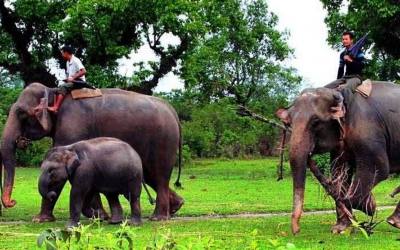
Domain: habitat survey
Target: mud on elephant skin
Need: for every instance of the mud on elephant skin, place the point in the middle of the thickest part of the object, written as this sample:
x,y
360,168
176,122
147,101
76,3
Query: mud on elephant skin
x,y
149,124
102,165
364,148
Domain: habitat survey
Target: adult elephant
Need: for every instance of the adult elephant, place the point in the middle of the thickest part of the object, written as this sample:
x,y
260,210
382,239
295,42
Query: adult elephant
x,y
147,123
366,136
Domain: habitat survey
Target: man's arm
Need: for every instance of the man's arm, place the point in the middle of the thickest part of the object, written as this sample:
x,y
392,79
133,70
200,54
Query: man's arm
x,y
77,75
341,66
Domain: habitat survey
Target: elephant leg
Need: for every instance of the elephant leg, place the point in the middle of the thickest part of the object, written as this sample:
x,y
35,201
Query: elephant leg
x,y
342,176
77,197
93,208
46,211
161,211
369,173
133,197
47,207
394,219
175,202
116,209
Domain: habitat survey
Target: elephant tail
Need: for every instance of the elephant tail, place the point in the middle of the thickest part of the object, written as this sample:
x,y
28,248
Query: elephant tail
x,y
177,182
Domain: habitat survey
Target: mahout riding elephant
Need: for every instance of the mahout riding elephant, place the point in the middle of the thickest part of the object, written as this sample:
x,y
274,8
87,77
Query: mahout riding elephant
x,y
149,124
363,134
106,165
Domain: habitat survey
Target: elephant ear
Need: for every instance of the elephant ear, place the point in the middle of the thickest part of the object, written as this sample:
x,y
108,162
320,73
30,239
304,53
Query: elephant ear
x,y
42,114
73,163
337,110
283,114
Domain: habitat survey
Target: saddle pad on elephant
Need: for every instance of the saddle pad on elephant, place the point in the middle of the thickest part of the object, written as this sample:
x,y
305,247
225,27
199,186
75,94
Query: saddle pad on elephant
x,y
365,88
85,93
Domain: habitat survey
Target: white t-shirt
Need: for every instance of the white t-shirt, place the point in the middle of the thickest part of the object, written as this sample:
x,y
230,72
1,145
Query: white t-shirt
x,y
73,66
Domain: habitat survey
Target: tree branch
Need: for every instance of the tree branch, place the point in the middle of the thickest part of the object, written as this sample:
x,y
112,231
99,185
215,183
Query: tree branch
x,y
167,63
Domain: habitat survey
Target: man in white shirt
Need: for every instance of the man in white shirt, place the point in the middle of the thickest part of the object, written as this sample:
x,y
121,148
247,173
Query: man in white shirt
x,y
75,72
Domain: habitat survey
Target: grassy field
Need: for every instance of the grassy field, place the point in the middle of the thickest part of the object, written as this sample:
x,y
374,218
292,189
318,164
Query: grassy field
x,y
214,187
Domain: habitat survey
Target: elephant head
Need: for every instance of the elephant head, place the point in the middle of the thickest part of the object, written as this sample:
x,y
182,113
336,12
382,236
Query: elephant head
x,y
59,165
315,129
26,119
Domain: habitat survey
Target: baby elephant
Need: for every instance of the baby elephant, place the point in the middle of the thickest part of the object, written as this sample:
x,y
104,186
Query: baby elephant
x,y
102,165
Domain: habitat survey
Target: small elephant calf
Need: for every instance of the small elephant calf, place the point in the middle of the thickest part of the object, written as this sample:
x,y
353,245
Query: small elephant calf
x,y
101,165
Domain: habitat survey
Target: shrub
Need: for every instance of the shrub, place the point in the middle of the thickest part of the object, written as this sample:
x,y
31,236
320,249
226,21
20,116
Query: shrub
x,y
34,154
323,162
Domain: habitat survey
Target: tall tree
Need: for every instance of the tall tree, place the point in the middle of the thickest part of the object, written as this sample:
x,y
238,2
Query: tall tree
x,y
242,56
26,38
381,18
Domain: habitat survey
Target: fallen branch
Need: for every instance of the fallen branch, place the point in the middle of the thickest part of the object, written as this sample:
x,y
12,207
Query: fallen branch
x,y
244,111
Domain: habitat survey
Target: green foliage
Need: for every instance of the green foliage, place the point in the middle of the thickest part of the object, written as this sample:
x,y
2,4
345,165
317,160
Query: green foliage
x,y
8,95
34,154
242,56
215,130
323,162
91,236
381,18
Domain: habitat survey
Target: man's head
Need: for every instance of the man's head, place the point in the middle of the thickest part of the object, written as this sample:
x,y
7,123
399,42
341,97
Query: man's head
x,y
347,39
67,52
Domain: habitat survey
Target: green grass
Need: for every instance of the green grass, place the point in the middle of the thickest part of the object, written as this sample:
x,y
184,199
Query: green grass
x,y
216,187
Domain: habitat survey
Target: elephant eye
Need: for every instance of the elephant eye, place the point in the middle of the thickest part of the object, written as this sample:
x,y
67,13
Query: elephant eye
x,y
21,114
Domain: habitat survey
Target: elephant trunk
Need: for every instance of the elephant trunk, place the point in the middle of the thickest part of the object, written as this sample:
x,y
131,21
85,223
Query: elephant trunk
x,y
301,146
11,132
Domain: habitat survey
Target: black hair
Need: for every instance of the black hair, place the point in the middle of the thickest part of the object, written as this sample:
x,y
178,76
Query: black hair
x,y
67,49
349,33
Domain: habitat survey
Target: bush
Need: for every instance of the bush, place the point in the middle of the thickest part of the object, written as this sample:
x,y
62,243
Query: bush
x,y
323,162
34,154
215,130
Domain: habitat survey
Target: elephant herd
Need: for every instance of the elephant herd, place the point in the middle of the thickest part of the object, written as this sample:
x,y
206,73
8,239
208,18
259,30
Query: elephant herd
x,y
361,134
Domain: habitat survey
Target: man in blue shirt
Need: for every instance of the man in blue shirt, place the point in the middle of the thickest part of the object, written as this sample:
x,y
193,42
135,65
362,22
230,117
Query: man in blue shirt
x,y
350,68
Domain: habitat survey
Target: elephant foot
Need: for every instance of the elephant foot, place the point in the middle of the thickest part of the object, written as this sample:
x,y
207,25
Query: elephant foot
x,y
40,218
135,221
95,213
340,227
159,217
115,219
176,205
394,221
72,224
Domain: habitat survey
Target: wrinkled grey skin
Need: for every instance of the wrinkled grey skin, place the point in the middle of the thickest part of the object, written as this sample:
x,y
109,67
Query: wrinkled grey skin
x,y
371,143
147,123
101,165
